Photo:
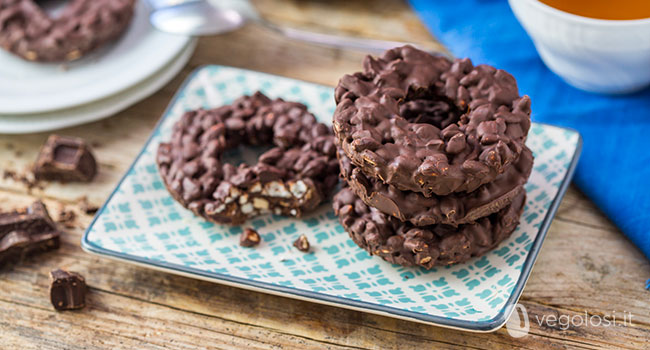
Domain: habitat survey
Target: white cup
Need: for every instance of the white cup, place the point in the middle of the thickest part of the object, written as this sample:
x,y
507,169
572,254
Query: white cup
x,y
597,55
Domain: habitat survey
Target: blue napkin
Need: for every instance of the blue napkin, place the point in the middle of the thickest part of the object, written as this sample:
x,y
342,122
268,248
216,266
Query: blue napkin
x,y
614,169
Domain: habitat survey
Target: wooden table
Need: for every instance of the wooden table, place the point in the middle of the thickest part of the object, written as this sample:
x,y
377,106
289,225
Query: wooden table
x,y
586,264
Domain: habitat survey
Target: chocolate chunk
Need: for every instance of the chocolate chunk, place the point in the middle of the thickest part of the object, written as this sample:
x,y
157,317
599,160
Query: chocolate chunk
x,y
64,159
81,26
249,238
292,178
302,244
27,232
67,290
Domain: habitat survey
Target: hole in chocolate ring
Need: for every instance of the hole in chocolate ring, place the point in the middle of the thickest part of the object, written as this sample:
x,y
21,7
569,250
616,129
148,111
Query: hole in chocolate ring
x,y
54,8
428,106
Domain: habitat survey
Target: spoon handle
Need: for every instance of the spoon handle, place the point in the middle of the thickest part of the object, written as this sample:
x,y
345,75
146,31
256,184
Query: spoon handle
x,y
345,42
162,4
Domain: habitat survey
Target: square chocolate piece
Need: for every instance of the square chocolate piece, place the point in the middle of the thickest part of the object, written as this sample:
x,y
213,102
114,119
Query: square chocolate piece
x,y
67,290
65,159
25,233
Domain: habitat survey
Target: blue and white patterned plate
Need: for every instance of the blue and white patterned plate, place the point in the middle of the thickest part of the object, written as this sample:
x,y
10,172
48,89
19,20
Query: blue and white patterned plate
x,y
141,223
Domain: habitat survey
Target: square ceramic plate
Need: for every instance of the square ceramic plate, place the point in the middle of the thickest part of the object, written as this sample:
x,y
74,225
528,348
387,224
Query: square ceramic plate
x,y
141,223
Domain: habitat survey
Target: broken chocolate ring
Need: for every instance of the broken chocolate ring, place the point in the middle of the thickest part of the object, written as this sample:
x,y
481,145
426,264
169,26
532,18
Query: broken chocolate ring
x,y
82,25
426,124
292,178
453,209
405,244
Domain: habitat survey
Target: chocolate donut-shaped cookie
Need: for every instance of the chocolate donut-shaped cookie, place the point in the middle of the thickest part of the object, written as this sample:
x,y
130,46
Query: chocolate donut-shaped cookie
x,y
83,25
453,209
426,124
428,246
292,178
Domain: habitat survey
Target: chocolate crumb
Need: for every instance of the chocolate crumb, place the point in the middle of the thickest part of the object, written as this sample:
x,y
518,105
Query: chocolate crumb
x,y
87,207
249,238
302,244
67,218
28,182
9,174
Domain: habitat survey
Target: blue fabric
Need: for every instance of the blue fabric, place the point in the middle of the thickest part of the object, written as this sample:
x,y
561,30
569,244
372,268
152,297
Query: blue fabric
x,y
614,170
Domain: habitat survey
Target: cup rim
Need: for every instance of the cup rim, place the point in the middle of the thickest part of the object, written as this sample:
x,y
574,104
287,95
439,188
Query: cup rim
x,y
585,20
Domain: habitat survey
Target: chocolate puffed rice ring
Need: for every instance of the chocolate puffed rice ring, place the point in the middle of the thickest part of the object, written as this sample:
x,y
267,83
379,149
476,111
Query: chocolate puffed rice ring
x,y
426,124
436,245
292,178
82,26
453,209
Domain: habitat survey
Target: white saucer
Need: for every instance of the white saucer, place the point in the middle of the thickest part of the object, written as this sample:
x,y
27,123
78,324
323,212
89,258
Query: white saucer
x,y
29,123
31,87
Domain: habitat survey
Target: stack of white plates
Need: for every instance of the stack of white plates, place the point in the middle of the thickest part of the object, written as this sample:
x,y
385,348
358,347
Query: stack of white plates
x,y
41,96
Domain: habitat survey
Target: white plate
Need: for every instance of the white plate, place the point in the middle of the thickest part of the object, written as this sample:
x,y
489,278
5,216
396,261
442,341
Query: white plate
x,y
29,123
31,87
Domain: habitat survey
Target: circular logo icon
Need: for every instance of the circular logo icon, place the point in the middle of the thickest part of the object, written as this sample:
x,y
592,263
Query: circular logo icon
x,y
514,325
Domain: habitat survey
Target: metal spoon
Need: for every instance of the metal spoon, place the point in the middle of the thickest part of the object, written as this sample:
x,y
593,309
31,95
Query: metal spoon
x,y
201,17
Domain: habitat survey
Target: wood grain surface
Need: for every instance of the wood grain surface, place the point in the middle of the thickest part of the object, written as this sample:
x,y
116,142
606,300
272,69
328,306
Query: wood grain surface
x,y
586,264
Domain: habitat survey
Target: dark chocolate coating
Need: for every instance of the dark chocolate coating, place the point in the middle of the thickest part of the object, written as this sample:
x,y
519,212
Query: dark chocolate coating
x,y
82,26
292,178
427,246
67,290
65,159
426,124
453,209
26,233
